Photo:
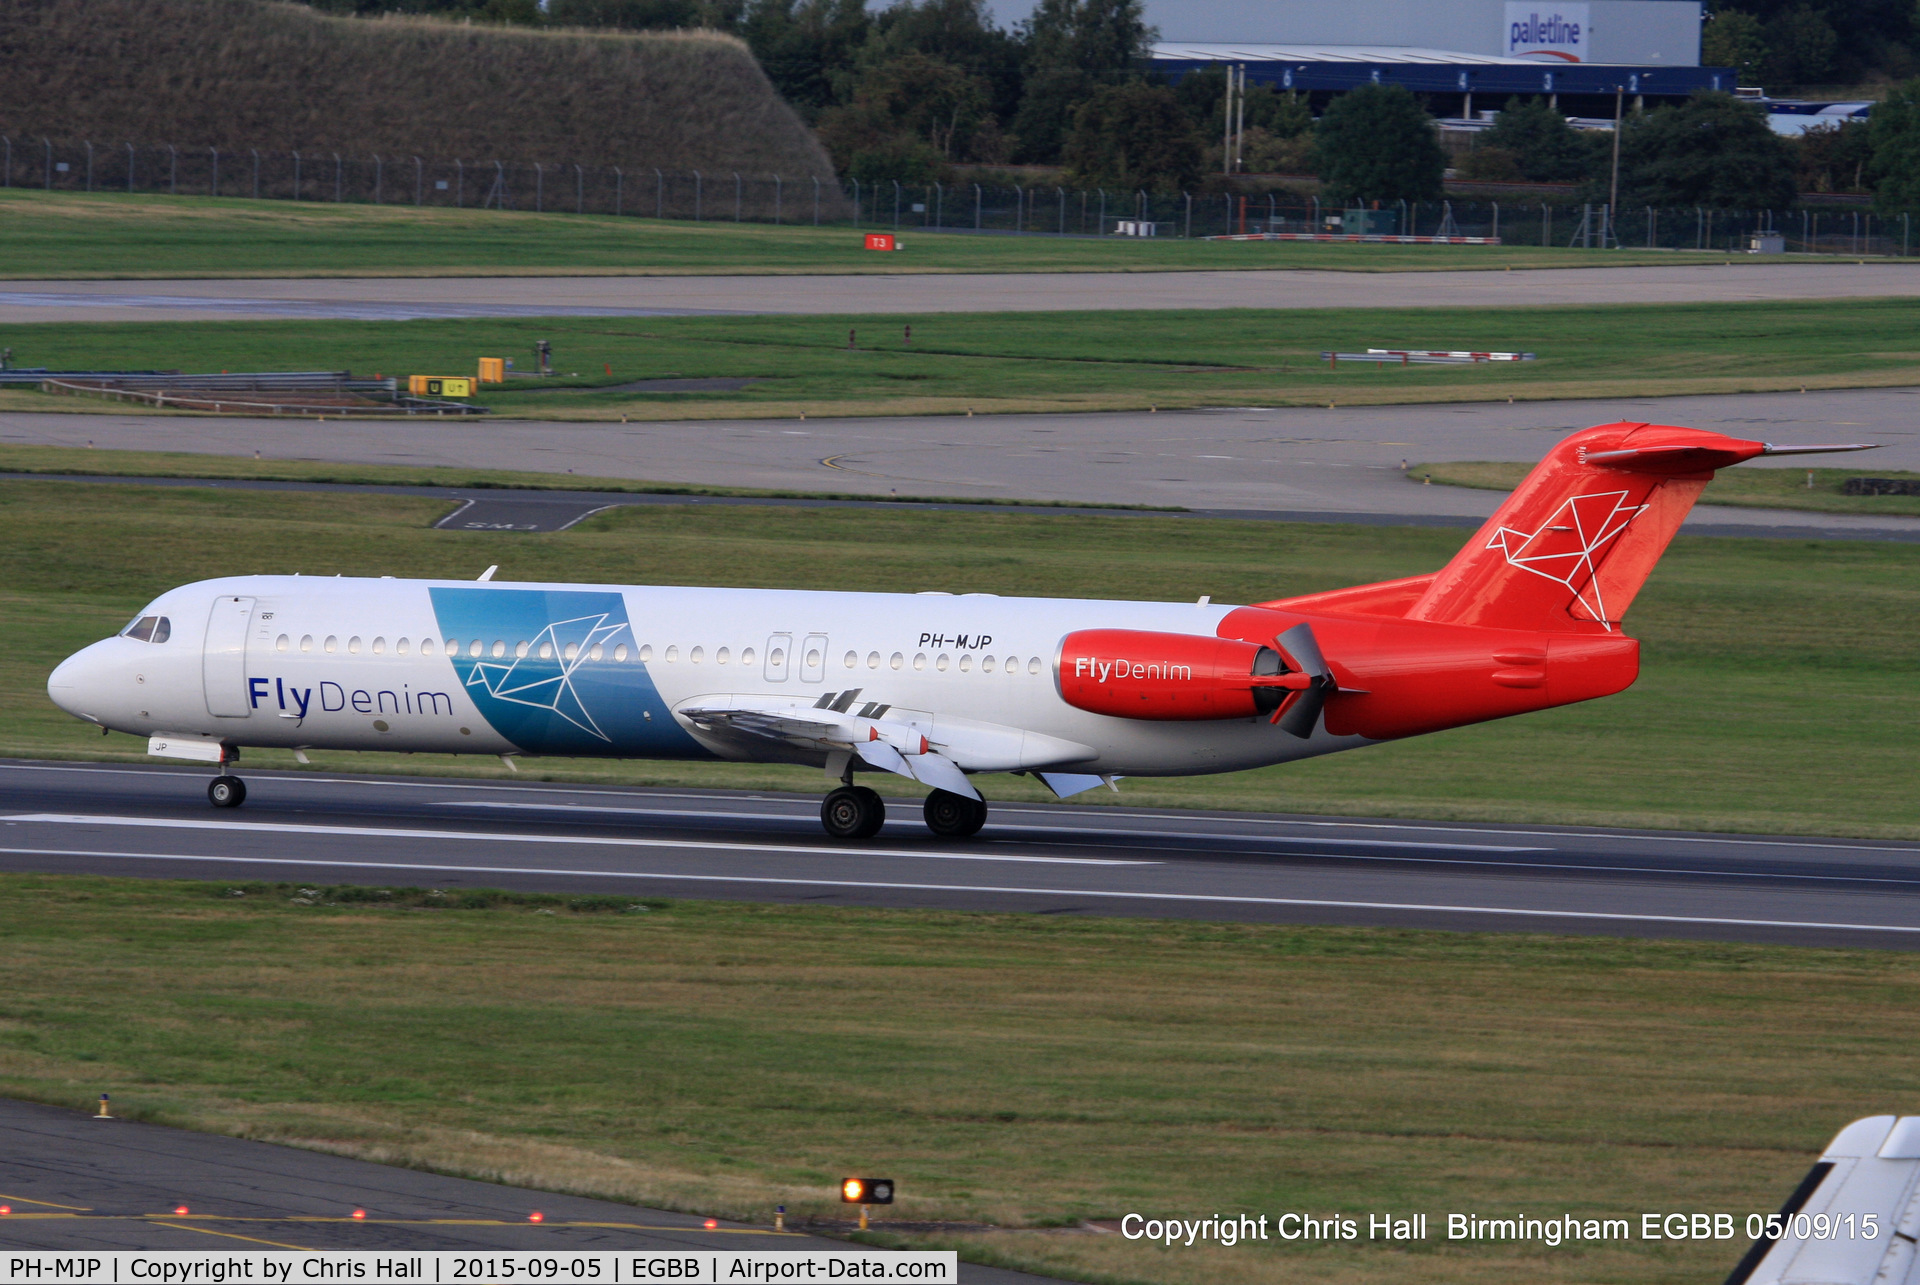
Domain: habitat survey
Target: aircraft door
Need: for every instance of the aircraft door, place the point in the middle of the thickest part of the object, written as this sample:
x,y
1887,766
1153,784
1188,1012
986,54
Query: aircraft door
x,y
223,657
813,658
779,653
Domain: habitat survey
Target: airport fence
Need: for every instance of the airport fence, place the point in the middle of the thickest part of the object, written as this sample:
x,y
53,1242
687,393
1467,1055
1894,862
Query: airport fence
x,y
1039,210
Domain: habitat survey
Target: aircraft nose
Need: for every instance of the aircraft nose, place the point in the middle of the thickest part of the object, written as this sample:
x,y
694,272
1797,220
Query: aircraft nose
x,y
78,681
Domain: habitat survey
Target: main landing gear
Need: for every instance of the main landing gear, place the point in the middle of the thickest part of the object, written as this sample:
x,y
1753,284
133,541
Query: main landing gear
x,y
226,791
855,812
954,816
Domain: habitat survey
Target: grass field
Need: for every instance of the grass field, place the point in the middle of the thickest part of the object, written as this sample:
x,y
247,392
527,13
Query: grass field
x,y
1021,1071
65,234
1765,661
1072,361
1746,488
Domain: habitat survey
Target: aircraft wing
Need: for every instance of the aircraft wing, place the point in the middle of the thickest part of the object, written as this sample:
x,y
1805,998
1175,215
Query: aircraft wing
x,y
1854,1218
940,757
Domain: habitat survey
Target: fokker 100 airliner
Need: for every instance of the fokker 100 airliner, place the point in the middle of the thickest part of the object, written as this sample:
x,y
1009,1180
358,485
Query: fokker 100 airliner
x,y
935,687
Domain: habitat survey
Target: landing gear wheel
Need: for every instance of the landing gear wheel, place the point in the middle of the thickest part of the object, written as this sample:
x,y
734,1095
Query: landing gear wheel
x,y
226,791
954,816
853,812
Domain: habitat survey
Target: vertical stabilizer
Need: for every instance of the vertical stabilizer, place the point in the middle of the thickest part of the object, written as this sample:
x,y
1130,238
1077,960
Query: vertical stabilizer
x,y
1570,548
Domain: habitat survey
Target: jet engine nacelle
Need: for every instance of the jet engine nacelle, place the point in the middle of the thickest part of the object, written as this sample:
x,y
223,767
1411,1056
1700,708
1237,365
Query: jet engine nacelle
x,y
1132,673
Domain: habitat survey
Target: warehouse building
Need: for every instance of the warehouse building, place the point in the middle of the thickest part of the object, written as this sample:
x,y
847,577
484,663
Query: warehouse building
x,y
1466,56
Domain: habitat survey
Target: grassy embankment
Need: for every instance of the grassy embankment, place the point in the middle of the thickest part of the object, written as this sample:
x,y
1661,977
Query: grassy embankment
x,y
104,234
1765,661
1019,1071
1080,361
1747,488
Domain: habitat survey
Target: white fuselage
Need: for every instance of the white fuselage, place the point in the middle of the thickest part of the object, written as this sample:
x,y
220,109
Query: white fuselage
x,y
496,668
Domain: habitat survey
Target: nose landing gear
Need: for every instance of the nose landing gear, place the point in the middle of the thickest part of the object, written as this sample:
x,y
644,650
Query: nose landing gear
x,y
226,791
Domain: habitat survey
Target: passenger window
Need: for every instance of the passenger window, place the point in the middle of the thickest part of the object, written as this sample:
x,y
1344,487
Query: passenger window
x,y
521,648
426,646
722,656
673,654
646,652
499,648
986,664
746,655
353,645
600,650
282,643
573,651
1033,666
697,655
379,646
620,653
546,651
475,648
306,642
400,647
851,659
873,660
966,663
333,644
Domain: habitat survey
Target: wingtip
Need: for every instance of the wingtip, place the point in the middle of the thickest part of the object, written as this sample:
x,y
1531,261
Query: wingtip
x,y
1768,448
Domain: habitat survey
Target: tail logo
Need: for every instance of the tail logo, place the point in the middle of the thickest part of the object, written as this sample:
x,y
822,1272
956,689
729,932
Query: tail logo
x,y
531,681
1567,546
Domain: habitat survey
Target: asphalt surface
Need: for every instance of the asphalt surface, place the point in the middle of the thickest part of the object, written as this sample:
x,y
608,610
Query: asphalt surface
x,y
392,299
74,1182
1044,859
1250,460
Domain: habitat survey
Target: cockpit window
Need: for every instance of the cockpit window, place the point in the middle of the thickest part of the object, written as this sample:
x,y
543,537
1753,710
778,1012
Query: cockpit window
x,y
153,629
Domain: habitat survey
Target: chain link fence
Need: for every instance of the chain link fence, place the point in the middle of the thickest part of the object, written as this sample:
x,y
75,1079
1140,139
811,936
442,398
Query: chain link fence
x,y
1040,210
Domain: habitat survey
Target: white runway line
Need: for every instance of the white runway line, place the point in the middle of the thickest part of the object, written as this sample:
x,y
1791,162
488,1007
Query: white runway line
x,y
887,886
1092,831
470,836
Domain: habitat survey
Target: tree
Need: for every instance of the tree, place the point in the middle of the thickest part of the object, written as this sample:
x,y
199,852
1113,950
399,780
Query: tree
x,y
1132,136
1834,158
1733,38
958,32
1895,137
802,44
1801,48
1073,47
1376,143
1712,150
914,98
1545,149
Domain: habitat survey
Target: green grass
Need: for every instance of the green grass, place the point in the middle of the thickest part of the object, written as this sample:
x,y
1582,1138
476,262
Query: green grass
x,y
82,462
1765,661
1022,1071
1746,488
1040,361
64,234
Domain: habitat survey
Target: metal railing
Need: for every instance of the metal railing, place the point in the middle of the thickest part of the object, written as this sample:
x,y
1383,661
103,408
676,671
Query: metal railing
x,y
1036,210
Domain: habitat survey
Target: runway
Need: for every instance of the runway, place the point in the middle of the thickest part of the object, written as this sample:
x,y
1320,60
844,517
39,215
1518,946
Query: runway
x,y
413,298
154,822
1252,460
71,1182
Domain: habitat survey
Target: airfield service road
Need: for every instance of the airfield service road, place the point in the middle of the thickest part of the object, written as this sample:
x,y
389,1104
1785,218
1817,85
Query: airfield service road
x,y
1251,461
73,1182
407,298
1053,859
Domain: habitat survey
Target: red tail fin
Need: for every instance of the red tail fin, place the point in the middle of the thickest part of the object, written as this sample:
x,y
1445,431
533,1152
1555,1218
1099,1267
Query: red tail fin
x,y
1570,548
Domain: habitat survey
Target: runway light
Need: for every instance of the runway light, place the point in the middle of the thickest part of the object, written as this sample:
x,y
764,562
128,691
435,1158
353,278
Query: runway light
x,y
5,1210
711,1223
536,1217
359,1213
179,1211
